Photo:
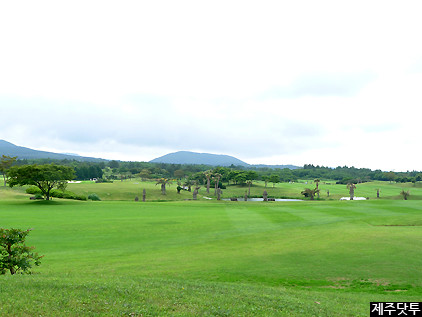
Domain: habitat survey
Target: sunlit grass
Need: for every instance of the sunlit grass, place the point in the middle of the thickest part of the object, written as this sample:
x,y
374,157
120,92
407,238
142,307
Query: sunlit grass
x,y
209,258
129,189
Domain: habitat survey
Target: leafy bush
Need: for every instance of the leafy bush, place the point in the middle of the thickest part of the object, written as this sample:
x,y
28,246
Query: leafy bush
x,y
94,197
70,195
54,193
33,190
57,193
348,180
38,196
103,180
220,185
15,256
67,195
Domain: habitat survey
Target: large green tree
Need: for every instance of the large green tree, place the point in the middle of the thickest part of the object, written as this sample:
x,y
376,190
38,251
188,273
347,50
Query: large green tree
x,y
45,177
5,163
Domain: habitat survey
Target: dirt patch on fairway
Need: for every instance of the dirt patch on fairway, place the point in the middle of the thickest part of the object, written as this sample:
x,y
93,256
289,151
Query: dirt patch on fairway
x,y
379,282
397,225
397,290
341,283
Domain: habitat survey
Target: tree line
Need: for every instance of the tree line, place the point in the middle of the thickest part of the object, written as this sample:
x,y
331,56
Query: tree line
x,y
120,170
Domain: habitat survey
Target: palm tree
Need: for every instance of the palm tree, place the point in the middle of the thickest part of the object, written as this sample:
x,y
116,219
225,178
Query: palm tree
x,y
163,182
351,188
249,182
216,179
316,184
208,175
188,183
310,193
405,194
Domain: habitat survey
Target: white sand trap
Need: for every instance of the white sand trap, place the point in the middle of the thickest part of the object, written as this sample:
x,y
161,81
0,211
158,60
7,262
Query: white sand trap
x,y
354,198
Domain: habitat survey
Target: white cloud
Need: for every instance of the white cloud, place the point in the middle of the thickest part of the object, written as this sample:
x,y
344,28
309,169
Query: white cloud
x,y
279,81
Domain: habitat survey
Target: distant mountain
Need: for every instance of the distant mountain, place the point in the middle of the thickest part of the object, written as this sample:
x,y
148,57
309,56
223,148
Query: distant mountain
x,y
292,167
7,148
186,157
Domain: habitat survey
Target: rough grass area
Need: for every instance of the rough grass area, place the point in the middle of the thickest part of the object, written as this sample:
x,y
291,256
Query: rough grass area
x,y
214,258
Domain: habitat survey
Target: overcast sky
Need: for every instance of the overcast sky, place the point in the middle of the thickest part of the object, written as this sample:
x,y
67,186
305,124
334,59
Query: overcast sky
x,y
273,82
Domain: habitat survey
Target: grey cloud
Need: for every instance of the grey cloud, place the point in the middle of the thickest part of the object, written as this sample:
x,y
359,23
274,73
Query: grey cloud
x,y
162,128
147,99
322,84
290,137
416,67
381,127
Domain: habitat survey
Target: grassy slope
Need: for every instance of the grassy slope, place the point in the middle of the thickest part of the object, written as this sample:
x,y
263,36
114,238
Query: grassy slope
x,y
215,258
127,190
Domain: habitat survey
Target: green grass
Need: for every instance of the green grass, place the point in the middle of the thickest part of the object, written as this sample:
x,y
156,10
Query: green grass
x,y
129,189
321,258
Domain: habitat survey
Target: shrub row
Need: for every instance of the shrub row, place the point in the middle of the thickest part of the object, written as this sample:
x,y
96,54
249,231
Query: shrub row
x,y
103,180
56,193
94,197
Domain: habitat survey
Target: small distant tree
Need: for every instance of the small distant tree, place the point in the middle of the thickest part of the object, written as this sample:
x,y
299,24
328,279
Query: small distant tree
x,y
310,193
274,179
108,173
266,178
241,177
189,182
179,174
5,163
405,194
144,173
15,256
45,177
390,176
113,164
